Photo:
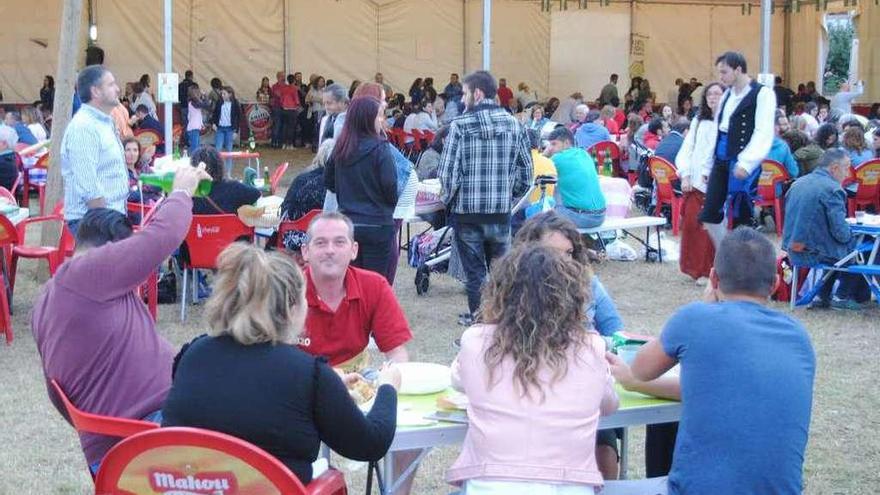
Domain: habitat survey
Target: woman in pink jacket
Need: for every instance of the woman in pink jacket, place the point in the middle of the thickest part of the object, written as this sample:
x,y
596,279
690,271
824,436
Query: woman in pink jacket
x,y
537,383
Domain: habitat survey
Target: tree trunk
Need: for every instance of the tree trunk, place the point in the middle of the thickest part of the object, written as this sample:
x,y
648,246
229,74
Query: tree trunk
x,y
65,79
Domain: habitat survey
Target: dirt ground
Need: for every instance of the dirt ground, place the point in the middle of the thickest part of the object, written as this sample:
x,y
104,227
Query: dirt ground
x,y
40,453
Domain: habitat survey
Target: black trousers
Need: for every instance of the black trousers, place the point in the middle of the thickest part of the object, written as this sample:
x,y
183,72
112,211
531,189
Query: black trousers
x,y
374,248
716,193
659,446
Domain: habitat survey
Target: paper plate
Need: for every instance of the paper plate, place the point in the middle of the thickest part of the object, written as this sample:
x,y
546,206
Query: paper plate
x,y
423,378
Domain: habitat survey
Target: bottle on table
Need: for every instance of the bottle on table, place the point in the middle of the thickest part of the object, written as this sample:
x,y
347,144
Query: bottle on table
x,y
252,145
607,167
165,182
266,179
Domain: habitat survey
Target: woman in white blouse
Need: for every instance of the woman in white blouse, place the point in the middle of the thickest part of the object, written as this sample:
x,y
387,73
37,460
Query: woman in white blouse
x,y
694,162
421,118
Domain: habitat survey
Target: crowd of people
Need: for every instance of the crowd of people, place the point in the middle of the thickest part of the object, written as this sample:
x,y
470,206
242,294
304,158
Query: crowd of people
x,y
532,361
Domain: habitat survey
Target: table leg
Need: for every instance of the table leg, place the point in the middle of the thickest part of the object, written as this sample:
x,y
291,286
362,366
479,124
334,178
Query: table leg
x,y
659,246
624,457
388,476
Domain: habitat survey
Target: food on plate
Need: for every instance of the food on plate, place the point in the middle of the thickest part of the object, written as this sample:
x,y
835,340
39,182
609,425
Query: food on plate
x,y
360,390
453,401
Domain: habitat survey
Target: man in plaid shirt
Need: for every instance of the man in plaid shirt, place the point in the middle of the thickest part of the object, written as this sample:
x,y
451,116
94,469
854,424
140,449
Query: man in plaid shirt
x,y
486,166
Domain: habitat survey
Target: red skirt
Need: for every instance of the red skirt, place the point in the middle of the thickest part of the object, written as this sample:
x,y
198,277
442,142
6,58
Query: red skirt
x,y
697,252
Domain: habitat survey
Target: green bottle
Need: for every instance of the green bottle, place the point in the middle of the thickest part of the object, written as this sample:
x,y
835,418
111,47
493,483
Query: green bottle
x,y
165,182
252,145
607,167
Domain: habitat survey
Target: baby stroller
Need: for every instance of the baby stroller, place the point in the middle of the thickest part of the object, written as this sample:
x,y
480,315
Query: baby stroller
x,y
643,194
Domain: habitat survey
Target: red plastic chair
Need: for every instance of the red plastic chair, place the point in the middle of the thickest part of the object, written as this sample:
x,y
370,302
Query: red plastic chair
x,y
39,186
110,426
275,179
161,460
147,138
416,145
397,137
429,137
209,235
664,173
54,255
301,224
773,174
867,176
607,148
134,207
8,239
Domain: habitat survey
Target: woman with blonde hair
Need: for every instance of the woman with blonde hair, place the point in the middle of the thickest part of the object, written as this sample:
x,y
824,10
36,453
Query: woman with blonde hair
x,y
536,381
248,379
856,146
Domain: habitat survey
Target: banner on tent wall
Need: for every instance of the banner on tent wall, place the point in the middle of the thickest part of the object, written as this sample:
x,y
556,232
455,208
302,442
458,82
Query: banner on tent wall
x,y
637,50
258,120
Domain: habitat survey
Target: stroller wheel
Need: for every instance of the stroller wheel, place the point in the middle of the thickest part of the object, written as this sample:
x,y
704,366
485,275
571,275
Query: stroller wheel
x,y
423,280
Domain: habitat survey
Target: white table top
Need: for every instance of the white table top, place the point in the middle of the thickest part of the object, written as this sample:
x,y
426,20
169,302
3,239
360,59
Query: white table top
x,y
625,223
16,218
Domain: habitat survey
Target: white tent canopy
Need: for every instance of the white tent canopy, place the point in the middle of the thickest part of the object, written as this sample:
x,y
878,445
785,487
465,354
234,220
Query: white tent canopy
x,y
555,53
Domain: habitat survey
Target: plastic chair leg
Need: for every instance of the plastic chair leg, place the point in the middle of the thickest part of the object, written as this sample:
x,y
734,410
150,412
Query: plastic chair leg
x,y
13,267
778,213
42,191
676,216
183,295
794,287
5,317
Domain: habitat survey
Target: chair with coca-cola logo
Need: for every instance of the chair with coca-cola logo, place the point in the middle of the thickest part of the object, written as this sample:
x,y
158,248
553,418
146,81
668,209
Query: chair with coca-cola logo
x,y
208,235
193,460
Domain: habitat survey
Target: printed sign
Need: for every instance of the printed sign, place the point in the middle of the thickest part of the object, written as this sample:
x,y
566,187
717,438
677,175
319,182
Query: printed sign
x,y
167,92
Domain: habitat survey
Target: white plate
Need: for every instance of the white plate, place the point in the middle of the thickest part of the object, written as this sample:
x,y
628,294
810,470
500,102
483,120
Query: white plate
x,y
423,378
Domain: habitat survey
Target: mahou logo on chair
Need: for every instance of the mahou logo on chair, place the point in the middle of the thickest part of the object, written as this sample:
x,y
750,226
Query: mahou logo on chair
x,y
169,482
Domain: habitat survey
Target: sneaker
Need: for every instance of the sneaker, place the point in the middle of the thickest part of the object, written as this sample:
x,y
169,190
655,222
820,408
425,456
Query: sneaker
x,y
845,304
820,304
465,320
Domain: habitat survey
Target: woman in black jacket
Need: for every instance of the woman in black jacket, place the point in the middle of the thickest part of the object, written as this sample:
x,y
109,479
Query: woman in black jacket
x,y
225,120
362,173
248,379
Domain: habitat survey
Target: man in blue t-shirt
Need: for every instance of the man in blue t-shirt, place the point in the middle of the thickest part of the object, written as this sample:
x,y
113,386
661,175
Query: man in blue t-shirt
x,y
746,380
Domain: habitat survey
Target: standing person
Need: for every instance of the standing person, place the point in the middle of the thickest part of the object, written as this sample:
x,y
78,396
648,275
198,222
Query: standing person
x,y
315,103
362,173
745,133
335,99
183,101
564,113
380,80
92,161
536,382
784,95
430,93
416,91
729,383
264,92
504,93
608,92
195,120
143,97
842,100
225,120
486,165
8,161
47,92
694,162
275,103
289,101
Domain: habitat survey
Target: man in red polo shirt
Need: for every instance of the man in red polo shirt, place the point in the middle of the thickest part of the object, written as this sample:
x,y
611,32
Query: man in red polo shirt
x,y
504,93
347,305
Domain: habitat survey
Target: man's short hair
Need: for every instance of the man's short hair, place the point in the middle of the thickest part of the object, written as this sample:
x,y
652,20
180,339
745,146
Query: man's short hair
x,y
655,125
733,60
8,136
680,125
187,74
592,116
561,133
15,114
482,80
142,109
613,77
777,80
100,226
331,215
337,92
87,79
746,263
810,106
832,156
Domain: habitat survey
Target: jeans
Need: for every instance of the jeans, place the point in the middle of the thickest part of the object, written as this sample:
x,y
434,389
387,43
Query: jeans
x,y
155,417
277,127
223,142
583,220
374,247
193,137
479,244
852,286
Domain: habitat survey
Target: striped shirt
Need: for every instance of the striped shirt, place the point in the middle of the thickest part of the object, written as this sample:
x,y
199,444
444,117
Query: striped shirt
x,y
92,163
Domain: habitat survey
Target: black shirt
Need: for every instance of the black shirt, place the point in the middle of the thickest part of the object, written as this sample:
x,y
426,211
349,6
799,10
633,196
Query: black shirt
x,y
229,195
278,398
8,170
365,182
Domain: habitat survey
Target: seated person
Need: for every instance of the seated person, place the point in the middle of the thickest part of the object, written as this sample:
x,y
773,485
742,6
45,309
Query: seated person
x,y
578,195
815,229
607,115
729,384
806,153
422,118
97,339
856,146
8,162
13,119
536,382
670,145
300,401
657,129
227,196
591,132
144,120
426,168
538,119
580,115
306,193
133,163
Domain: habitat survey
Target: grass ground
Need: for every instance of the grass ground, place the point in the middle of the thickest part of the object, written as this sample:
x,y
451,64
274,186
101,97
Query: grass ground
x,y
39,452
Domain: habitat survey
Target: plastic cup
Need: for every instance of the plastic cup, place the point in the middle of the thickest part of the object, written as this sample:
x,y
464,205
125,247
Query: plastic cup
x,y
860,217
628,353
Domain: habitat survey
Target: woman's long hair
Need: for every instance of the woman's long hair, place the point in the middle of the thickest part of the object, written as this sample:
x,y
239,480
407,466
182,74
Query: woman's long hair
x,y
536,297
360,124
705,112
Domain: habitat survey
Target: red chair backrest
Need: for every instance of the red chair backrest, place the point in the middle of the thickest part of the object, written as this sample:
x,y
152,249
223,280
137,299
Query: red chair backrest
x,y
429,137
772,173
664,173
418,137
147,137
398,137
8,232
301,224
42,162
275,179
210,234
5,193
102,425
193,460
868,177
135,207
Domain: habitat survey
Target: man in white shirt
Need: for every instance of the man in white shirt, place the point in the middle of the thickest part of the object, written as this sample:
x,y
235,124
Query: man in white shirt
x,y
842,101
745,134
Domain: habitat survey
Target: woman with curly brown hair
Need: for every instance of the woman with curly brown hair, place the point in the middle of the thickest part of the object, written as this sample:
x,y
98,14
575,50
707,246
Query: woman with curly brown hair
x,y
537,382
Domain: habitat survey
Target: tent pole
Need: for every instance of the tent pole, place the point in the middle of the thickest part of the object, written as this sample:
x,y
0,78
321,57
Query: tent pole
x,y
487,34
766,19
169,138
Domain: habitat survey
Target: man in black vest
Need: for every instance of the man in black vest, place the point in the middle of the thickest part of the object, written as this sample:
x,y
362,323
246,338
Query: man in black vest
x,y
745,133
